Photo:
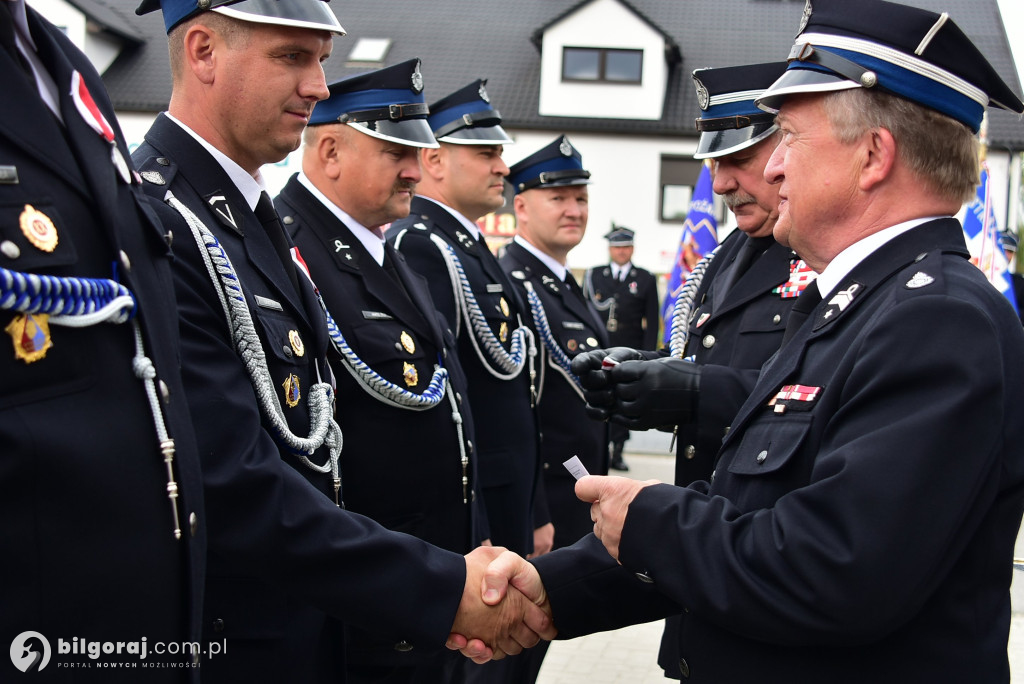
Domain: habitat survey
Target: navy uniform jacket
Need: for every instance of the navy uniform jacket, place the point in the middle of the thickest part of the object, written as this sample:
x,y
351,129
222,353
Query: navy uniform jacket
x,y
731,337
88,546
565,428
636,305
401,467
283,556
862,527
506,424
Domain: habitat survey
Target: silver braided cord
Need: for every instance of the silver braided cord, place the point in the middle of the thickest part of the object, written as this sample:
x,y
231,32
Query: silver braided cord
x,y
510,363
589,293
323,428
560,361
680,326
84,302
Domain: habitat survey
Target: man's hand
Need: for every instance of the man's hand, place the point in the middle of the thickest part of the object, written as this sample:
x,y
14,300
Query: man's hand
x,y
505,570
543,540
651,394
490,630
609,499
591,368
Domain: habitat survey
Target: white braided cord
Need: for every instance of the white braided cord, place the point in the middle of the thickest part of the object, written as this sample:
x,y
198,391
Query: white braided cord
x,y
680,325
560,361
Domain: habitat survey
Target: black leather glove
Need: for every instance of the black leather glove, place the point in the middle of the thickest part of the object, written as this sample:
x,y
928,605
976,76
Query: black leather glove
x,y
653,394
594,380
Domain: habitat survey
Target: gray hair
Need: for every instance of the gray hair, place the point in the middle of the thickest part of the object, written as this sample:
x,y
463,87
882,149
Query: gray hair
x,y
941,151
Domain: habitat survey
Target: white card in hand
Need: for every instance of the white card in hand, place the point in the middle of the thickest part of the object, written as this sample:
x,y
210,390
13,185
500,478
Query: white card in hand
x,y
575,467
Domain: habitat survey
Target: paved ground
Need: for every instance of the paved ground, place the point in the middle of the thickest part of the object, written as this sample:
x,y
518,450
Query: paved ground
x,y
627,656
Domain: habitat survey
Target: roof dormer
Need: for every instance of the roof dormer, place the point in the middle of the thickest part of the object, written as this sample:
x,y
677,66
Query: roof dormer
x,y
604,59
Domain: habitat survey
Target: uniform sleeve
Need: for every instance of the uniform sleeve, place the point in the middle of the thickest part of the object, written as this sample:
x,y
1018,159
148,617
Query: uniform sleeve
x,y
901,471
266,519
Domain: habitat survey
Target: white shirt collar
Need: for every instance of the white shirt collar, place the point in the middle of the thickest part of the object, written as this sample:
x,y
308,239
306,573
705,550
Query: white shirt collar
x,y
373,244
558,269
45,84
473,229
617,270
251,188
849,258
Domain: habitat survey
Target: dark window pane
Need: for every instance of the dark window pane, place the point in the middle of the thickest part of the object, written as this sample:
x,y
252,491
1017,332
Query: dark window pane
x,y
580,64
623,65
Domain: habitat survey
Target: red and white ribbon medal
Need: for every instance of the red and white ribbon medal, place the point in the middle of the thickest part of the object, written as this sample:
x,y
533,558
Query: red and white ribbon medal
x,y
94,117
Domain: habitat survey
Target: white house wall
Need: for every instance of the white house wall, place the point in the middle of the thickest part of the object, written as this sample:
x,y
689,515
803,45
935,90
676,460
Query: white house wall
x,y
604,24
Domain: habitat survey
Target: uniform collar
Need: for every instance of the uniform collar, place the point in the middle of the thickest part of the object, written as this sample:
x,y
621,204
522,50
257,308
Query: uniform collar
x,y
849,258
373,244
473,229
250,187
558,269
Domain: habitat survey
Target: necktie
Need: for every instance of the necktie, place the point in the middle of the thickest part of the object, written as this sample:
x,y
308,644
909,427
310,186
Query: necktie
x,y
267,215
802,308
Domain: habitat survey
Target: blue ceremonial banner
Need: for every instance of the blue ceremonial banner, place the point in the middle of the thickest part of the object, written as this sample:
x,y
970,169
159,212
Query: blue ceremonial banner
x,y
982,234
700,236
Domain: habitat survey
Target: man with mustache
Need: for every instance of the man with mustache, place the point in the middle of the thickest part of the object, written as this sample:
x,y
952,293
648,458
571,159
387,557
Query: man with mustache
x,y
409,458
289,570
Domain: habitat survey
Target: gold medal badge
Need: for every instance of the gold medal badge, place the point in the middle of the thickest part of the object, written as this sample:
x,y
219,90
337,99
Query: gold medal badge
x,y
503,305
31,336
407,342
296,341
292,393
412,378
38,228
503,331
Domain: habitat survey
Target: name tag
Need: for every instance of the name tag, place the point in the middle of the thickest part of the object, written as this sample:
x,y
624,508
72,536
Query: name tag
x,y
268,303
8,175
377,316
573,325
495,287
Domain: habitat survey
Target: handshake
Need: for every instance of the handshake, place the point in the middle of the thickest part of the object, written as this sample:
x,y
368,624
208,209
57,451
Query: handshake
x,y
504,607
639,389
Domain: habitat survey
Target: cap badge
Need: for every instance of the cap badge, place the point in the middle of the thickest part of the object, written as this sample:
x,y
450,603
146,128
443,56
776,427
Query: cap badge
x,y
31,336
805,18
483,94
417,80
703,98
565,148
407,343
38,228
412,378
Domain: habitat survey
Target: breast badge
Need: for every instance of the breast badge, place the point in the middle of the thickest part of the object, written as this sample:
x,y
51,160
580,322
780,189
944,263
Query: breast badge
x,y
31,336
503,305
407,342
296,341
38,228
292,392
412,378
503,331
